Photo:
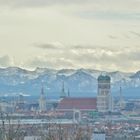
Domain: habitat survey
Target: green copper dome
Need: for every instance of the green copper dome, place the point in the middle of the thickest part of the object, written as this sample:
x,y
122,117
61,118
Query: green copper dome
x,y
104,78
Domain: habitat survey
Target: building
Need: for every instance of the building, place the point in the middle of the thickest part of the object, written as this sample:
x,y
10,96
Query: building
x,y
5,106
20,104
42,101
137,137
32,138
63,93
104,97
82,104
121,101
98,136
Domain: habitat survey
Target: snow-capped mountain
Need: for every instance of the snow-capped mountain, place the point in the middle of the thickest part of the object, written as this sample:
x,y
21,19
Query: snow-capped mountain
x,y
81,82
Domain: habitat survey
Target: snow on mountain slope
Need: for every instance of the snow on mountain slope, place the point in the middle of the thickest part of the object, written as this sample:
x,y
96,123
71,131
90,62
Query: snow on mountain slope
x,y
66,72
119,76
14,79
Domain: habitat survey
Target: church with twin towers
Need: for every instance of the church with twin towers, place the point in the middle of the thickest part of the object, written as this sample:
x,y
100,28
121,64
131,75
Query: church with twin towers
x,y
102,103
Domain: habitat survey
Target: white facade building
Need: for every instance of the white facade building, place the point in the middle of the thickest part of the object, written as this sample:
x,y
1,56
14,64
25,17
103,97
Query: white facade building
x,y
32,138
98,136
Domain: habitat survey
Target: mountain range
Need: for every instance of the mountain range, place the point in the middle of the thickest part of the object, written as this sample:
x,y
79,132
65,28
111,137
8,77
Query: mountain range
x,y
79,82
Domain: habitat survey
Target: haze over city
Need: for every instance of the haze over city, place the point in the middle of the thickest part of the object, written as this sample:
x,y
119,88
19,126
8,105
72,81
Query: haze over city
x,y
57,34
69,69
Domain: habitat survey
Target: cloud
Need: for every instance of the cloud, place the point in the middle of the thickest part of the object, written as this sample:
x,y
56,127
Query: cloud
x,y
109,15
88,56
46,62
6,61
59,46
75,47
51,46
112,37
48,2
93,9
71,33
135,33
38,3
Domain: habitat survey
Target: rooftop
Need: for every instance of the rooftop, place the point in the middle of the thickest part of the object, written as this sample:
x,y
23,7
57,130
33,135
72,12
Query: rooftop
x,y
77,103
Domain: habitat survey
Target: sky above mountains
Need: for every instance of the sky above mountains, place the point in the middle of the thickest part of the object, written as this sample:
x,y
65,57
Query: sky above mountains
x,y
97,34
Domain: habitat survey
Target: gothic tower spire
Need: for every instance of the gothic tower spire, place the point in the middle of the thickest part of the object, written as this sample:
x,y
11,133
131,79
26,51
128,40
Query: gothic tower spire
x,y
63,94
42,101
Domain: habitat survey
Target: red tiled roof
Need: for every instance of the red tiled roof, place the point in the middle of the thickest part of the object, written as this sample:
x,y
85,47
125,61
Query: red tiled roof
x,y
77,103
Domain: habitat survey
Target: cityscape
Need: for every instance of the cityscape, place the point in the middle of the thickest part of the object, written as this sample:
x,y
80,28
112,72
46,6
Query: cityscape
x,y
69,69
103,117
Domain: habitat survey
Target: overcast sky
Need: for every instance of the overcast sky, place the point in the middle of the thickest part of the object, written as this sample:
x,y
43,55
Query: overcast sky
x,y
96,34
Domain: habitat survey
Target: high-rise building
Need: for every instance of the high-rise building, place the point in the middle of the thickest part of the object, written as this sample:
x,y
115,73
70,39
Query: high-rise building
x,y
104,97
42,101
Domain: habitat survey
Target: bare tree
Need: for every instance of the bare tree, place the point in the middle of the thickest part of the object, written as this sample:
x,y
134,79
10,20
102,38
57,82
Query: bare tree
x,y
8,130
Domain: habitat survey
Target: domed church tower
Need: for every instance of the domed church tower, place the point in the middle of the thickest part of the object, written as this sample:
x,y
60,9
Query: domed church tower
x,y
104,98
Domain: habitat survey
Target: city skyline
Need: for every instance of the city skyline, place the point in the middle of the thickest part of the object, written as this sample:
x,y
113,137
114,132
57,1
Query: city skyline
x,y
95,34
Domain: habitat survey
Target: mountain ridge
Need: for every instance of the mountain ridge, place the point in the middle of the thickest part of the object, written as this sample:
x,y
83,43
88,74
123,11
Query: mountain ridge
x,y
14,80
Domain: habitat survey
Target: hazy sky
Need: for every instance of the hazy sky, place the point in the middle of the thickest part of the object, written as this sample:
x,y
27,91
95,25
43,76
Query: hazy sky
x,y
97,34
